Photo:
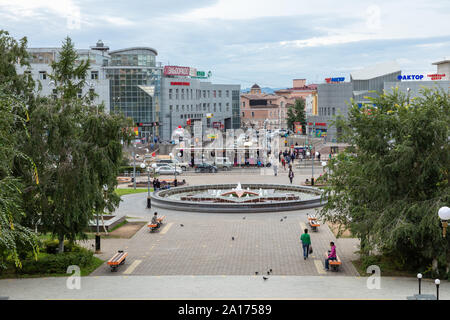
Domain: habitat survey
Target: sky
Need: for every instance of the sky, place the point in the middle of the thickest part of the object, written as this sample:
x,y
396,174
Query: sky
x,y
248,41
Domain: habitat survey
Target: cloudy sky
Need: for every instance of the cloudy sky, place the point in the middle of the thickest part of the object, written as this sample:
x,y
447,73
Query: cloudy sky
x,y
248,41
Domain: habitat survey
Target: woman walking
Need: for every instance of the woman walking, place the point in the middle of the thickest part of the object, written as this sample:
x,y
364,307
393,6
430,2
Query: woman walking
x,y
306,242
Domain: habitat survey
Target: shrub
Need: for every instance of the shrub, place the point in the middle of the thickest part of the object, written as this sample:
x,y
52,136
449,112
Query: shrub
x,y
57,263
51,246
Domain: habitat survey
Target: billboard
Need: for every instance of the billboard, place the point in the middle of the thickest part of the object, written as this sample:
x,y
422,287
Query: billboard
x,y
298,127
176,71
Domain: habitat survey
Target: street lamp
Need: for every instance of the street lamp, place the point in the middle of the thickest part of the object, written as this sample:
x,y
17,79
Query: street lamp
x,y
444,215
419,277
97,235
143,166
437,282
134,166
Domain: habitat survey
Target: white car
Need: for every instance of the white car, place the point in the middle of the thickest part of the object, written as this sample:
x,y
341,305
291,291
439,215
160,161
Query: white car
x,y
171,162
168,170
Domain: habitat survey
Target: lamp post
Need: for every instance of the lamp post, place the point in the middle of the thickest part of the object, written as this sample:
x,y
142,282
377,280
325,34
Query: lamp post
x,y
134,166
419,277
444,215
437,282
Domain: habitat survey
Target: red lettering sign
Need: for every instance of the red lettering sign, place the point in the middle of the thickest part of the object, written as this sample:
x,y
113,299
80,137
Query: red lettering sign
x,y
436,76
180,84
176,71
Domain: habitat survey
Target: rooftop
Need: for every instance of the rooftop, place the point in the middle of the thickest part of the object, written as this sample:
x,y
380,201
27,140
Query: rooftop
x,y
375,71
441,62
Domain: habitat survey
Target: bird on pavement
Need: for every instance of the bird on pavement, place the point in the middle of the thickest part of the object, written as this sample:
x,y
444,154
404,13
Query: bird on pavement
x,y
256,272
265,278
181,225
243,218
270,270
281,220
232,238
285,217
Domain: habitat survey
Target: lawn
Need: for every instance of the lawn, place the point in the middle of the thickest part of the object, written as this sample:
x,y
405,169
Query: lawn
x,y
124,191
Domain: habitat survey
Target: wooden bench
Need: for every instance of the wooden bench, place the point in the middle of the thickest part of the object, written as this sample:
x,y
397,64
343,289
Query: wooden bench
x,y
334,264
152,227
117,260
313,222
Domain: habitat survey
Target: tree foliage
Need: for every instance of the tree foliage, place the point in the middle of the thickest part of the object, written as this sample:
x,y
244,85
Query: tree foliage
x,y
77,150
389,186
297,113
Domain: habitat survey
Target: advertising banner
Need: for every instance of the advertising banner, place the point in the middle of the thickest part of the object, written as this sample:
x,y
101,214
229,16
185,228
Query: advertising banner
x,y
176,71
298,127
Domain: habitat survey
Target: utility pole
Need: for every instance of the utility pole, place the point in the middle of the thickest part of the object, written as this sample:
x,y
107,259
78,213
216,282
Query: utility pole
x,y
134,166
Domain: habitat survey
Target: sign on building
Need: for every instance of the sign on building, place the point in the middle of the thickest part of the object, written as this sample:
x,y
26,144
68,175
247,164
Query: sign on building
x,y
176,71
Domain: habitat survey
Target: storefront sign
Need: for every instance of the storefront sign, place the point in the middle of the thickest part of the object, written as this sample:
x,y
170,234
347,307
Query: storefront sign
x,y
216,125
411,77
436,76
193,72
298,127
333,80
202,75
180,84
176,71
209,115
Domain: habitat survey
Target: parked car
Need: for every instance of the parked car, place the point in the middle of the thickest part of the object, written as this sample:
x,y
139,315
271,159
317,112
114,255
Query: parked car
x,y
223,163
168,170
205,167
172,162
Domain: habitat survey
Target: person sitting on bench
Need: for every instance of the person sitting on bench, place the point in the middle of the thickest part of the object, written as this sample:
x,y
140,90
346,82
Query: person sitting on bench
x,y
331,256
155,220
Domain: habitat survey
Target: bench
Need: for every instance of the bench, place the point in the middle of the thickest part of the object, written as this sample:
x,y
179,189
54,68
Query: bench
x,y
334,264
313,222
152,227
117,260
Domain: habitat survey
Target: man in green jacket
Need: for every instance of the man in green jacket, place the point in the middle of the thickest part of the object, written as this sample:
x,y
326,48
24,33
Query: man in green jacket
x,y
306,242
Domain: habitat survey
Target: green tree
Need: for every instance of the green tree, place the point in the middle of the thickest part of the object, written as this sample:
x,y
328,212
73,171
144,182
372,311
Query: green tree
x,y
77,150
14,237
297,114
388,186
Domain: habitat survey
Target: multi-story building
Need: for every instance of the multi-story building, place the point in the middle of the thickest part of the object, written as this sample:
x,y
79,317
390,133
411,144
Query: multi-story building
x,y
97,81
264,111
334,96
186,100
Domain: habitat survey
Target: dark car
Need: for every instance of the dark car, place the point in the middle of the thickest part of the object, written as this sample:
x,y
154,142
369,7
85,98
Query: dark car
x,y
205,167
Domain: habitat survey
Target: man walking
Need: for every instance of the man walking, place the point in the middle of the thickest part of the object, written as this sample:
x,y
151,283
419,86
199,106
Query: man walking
x,y
306,242
291,174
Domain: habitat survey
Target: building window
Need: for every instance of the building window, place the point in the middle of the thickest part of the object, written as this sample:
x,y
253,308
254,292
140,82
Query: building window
x,y
79,94
253,114
204,106
170,108
176,94
54,94
227,93
214,107
243,104
42,75
220,106
91,92
243,114
178,108
94,75
204,93
334,111
220,93
208,94
181,116
170,93
214,93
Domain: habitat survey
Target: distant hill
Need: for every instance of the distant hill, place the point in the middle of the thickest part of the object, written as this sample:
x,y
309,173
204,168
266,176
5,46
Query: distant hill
x,y
267,90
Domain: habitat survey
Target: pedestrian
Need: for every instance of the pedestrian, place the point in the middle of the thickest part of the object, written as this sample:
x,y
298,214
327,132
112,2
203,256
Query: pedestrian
x,y
291,174
306,242
154,184
283,162
279,156
175,183
318,155
331,256
273,161
158,184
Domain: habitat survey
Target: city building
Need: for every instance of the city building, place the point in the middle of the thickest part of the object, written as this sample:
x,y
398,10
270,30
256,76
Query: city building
x,y
186,99
264,111
132,82
335,94
301,90
97,81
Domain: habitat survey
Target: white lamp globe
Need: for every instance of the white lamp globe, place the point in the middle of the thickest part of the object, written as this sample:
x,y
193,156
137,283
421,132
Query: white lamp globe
x,y
437,282
154,165
143,165
308,154
317,154
419,276
444,213
324,163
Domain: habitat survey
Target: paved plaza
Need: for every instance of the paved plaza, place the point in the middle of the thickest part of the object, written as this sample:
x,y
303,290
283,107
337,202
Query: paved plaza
x,y
199,260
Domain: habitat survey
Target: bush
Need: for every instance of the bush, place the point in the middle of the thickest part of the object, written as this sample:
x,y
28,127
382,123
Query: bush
x,y
57,263
51,246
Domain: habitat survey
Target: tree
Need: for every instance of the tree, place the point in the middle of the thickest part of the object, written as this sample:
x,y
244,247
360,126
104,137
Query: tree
x,y
297,114
15,90
388,187
77,150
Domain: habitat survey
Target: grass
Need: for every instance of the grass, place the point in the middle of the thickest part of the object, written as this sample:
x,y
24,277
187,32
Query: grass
x,y
118,226
124,191
387,268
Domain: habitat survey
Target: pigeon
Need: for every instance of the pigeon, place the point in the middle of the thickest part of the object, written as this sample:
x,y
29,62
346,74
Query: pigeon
x,y
281,220
265,278
232,238
270,270
243,218
256,272
181,225
285,217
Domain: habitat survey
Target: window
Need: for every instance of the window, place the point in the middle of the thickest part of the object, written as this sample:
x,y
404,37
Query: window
x,y
178,108
209,108
94,75
79,94
227,93
181,117
170,93
208,93
253,114
42,75
182,95
170,108
214,107
204,106
220,106
243,114
220,93
243,104
182,107
214,93
54,94
334,111
176,94
91,92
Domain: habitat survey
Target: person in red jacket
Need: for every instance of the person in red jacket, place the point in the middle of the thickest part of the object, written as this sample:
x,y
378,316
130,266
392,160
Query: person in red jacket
x,y
331,256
